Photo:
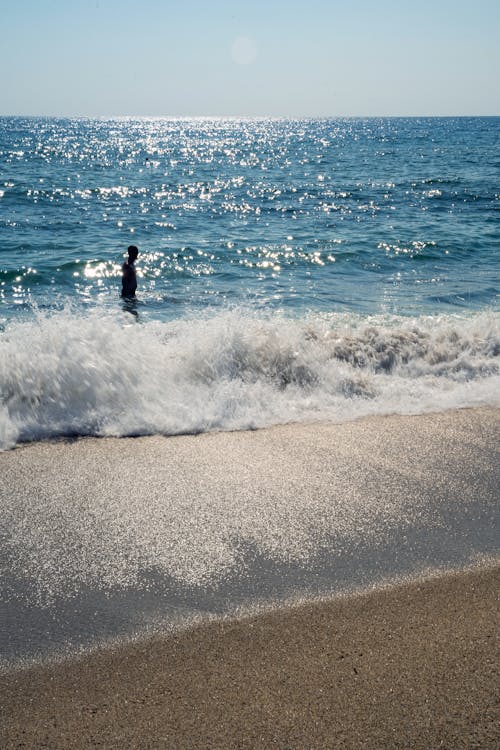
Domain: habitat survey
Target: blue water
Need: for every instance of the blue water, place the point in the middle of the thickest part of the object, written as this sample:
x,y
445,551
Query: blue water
x,y
259,240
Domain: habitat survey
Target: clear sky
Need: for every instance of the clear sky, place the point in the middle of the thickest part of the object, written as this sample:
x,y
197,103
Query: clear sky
x,y
257,57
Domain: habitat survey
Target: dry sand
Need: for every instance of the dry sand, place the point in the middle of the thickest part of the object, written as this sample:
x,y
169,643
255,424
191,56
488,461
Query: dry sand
x,y
409,667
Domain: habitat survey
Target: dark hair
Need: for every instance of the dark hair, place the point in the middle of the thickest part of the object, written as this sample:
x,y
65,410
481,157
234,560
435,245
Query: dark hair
x,y
132,250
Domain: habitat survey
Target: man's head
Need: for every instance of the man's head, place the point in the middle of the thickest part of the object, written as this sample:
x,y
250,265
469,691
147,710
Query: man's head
x,y
133,252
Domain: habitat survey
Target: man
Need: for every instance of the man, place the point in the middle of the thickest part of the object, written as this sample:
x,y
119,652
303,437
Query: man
x,y
129,278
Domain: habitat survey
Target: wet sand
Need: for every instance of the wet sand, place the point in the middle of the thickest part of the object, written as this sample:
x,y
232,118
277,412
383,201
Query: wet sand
x,y
413,666
108,536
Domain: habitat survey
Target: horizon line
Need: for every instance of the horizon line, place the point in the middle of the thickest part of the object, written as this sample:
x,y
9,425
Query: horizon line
x,y
241,116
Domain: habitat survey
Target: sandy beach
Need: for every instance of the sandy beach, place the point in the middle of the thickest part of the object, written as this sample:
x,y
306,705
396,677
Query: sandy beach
x,y
410,667
129,548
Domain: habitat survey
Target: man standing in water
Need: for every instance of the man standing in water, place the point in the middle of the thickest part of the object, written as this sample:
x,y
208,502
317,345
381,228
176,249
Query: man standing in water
x,y
129,278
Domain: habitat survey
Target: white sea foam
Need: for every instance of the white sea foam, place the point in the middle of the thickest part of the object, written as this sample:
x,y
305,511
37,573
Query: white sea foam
x,y
67,374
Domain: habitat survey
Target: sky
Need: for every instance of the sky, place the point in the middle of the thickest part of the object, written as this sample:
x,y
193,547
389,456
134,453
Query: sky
x,y
258,58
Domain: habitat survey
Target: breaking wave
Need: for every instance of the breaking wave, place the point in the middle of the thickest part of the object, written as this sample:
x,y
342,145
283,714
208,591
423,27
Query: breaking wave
x,y
67,374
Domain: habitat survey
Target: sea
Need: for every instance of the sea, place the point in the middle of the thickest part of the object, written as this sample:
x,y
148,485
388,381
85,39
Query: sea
x,y
290,270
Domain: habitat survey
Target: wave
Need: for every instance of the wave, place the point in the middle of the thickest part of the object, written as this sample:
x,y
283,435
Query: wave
x,y
98,374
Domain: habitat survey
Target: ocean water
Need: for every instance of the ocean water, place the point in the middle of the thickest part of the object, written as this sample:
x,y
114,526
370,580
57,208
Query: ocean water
x,y
289,270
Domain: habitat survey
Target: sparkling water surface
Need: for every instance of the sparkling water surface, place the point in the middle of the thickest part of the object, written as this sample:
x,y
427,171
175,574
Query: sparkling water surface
x,y
359,215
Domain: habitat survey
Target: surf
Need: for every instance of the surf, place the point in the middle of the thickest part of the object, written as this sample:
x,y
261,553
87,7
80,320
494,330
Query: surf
x,y
68,373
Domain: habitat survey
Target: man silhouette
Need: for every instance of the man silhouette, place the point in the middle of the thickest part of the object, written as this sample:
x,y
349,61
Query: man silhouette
x,y
129,278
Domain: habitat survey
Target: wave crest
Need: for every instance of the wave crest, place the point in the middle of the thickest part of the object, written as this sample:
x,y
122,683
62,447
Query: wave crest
x,y
68,374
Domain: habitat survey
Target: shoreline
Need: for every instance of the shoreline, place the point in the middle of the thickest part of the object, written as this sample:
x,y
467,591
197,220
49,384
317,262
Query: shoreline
x,y
409,665
244,614
270,428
